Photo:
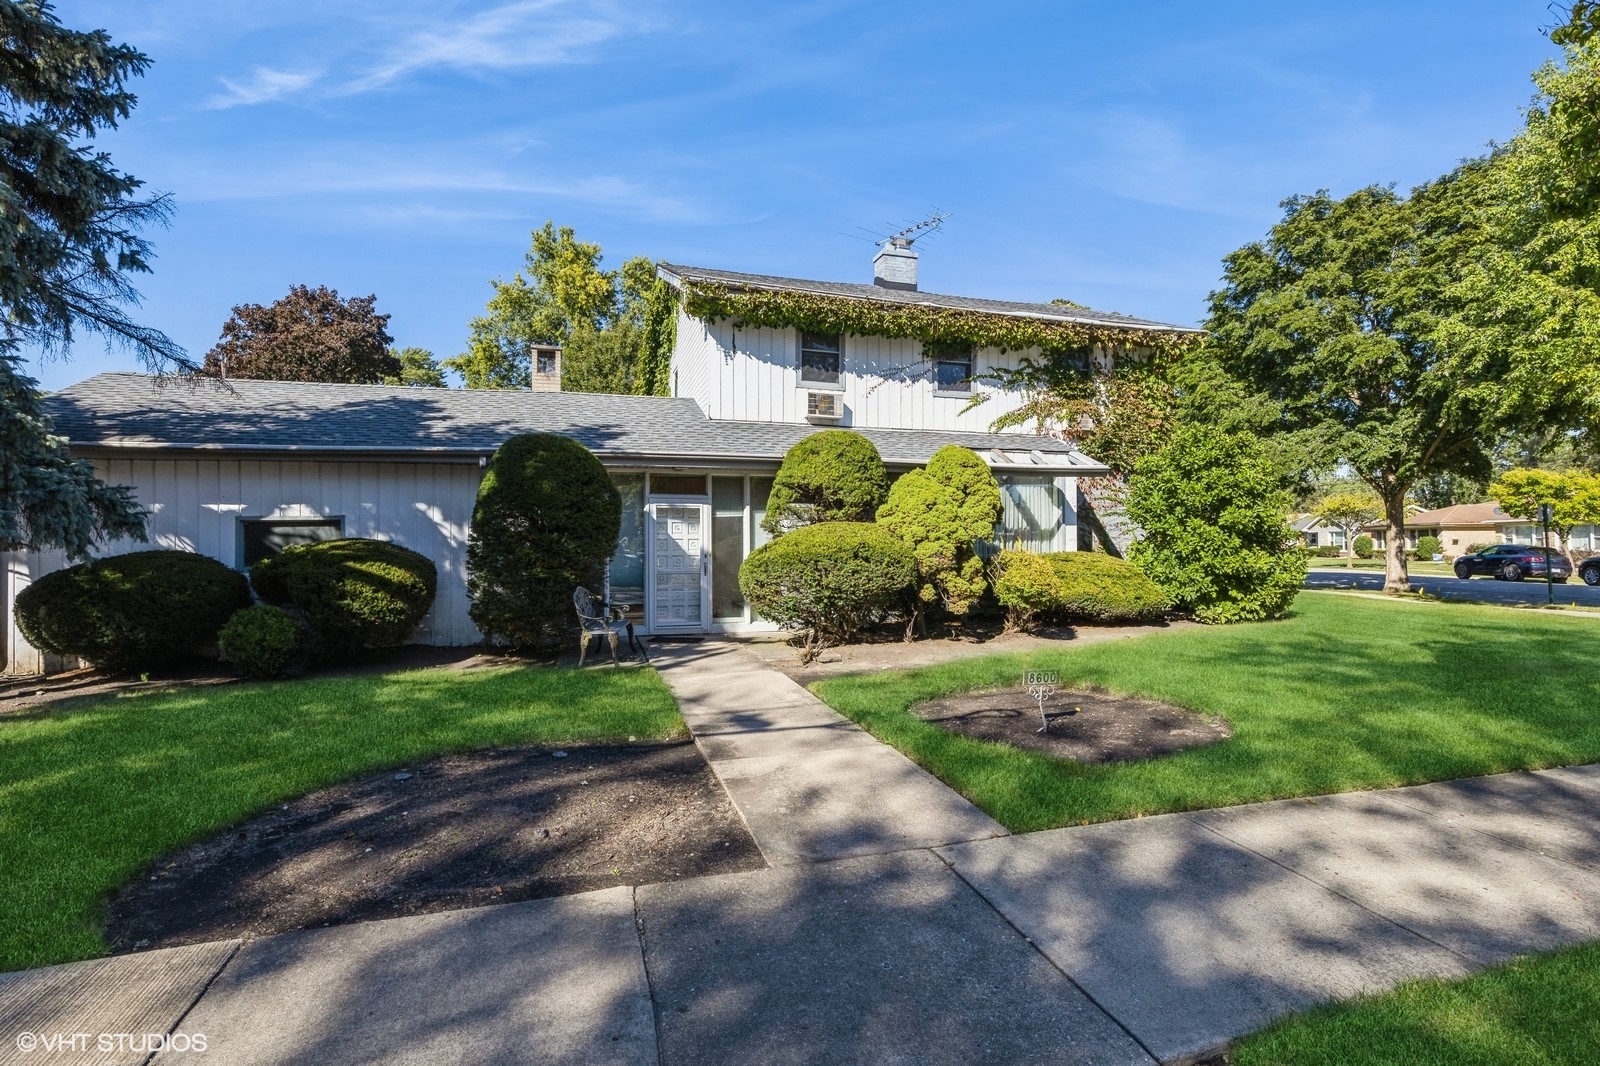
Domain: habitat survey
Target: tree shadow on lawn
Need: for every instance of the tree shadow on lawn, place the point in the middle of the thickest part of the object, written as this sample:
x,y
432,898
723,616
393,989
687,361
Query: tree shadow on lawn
x,y
1313,711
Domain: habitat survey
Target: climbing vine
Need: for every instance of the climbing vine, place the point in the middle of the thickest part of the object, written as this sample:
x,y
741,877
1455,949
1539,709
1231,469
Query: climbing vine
x,y
822,313
660,335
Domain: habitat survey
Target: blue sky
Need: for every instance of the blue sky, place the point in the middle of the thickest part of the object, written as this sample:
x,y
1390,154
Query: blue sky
x,y
1105,152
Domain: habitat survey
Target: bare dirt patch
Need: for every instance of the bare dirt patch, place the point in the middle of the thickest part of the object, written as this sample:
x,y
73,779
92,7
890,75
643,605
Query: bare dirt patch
x,y
1086,725
460,831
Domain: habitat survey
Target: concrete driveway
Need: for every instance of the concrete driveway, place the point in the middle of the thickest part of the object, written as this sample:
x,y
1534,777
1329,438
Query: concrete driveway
x,y
1475,590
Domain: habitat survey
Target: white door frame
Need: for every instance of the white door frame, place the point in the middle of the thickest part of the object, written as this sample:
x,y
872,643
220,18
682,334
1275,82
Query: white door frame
x,y
704,507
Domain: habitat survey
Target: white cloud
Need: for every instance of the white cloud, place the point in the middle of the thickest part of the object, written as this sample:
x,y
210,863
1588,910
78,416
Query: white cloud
x,y
373,52
262,85
528,33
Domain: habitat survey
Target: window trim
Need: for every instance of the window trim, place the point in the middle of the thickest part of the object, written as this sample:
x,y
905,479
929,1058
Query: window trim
x,y
335,520
800,361
970,357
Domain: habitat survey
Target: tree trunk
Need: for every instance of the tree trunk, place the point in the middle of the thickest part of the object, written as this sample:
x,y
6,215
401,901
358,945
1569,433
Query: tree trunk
x,y
1395,578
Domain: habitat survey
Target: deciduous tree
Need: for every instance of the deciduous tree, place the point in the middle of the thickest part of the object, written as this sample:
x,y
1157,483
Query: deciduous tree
x,y
1348,512
418,369
1574,498
1352,317
308,335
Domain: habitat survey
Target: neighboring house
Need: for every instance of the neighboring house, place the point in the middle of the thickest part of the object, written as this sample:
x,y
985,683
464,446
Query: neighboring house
x,y
1313,532
1463,525
242,471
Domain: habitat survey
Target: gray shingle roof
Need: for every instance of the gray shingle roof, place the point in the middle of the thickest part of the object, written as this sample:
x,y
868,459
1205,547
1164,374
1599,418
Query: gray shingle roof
x,y
118,410
1049,312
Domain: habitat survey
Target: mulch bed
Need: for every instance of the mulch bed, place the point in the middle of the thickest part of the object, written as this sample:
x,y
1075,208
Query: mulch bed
x,y
460,831
1086,725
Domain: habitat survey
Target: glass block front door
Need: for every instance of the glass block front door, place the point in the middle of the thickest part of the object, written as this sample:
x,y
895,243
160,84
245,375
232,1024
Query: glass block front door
x,y
679,560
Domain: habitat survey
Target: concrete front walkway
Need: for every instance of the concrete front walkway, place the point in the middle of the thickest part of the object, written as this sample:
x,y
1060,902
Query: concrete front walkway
x,y
896,925
810,784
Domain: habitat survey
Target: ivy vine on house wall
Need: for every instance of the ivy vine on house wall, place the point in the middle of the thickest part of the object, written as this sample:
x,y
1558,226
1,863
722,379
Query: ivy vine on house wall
x,y
820,313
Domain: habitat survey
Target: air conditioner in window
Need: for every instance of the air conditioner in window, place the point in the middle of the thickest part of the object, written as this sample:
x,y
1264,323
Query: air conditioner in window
x,y
824,406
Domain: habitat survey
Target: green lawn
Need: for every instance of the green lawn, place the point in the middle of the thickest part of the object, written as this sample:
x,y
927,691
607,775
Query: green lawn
x,y
1348,693
90,794
1539,1010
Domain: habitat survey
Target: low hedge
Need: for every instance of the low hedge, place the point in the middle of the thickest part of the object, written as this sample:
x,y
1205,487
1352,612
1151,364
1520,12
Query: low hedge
x,y
132,613
1027,586
264,641
354,593
1098,588
833,579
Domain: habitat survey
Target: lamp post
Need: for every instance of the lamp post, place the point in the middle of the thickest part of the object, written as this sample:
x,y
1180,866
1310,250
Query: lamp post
x,y
1545,513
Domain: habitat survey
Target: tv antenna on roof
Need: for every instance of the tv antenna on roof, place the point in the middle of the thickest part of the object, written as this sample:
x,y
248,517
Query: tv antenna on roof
x,y
903,237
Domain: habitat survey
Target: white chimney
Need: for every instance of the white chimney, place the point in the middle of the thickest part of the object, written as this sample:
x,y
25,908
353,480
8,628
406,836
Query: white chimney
x,y
895,265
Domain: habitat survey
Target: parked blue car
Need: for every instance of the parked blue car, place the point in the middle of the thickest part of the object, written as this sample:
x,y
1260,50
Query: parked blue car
x,y
1513,562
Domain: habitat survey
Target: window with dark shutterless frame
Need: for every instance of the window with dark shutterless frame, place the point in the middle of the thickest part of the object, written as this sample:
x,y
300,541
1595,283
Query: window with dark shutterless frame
x,y
952,371
263,537
821,358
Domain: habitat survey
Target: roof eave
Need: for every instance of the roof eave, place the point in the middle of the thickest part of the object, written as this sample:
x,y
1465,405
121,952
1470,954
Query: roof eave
x,y
677,280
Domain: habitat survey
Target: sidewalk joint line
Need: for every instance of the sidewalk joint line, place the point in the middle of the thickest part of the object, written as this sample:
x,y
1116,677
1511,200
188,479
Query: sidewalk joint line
x,y
1028,940
644,962
238,946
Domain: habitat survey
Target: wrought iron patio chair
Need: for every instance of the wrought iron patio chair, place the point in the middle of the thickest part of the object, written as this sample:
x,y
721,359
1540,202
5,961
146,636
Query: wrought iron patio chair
x,y
598,619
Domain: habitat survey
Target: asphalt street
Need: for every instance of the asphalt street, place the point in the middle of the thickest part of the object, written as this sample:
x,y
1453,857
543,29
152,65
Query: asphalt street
x,y
1476,590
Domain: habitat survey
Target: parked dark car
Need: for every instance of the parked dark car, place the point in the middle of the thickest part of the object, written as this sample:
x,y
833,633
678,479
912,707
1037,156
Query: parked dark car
x,y
1589,570
1513,562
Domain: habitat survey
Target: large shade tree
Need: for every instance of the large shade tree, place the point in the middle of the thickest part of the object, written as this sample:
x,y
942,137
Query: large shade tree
x,y
1354,316
70,241
307,335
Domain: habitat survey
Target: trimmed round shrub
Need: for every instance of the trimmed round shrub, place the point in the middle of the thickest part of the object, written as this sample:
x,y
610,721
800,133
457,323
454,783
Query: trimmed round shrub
x,y
264,641
1362,546
132,613
832,579
941,512
352,592
1027,586
1098,588
546,521
832,476
1428,547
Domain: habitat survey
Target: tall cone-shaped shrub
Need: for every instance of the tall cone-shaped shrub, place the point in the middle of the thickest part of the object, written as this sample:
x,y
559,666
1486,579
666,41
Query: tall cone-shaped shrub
x,y
546,522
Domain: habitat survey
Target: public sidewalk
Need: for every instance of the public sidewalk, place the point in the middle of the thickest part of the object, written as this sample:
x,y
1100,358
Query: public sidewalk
x,y
896,925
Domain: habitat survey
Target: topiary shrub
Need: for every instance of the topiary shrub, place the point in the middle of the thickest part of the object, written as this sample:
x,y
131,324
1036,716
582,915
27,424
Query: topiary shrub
x,y
131,613
546,521
352,592
1211,509
1428,547
1362,546
941,512
832,476
1098,588
265,642
831,579
1027,586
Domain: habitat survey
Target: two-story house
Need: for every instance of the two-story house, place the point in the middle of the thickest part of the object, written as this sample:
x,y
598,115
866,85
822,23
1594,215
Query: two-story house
x,y
757,364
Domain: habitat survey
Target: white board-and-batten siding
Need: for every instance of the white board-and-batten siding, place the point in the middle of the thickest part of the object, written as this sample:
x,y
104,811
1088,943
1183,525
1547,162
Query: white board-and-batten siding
x,y
752,374
196,505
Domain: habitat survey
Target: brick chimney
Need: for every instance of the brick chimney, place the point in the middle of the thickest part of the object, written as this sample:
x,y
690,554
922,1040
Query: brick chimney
x,y
895,266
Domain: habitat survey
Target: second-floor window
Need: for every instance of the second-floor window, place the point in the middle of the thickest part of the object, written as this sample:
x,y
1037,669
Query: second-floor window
x,y
821,358
952,371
